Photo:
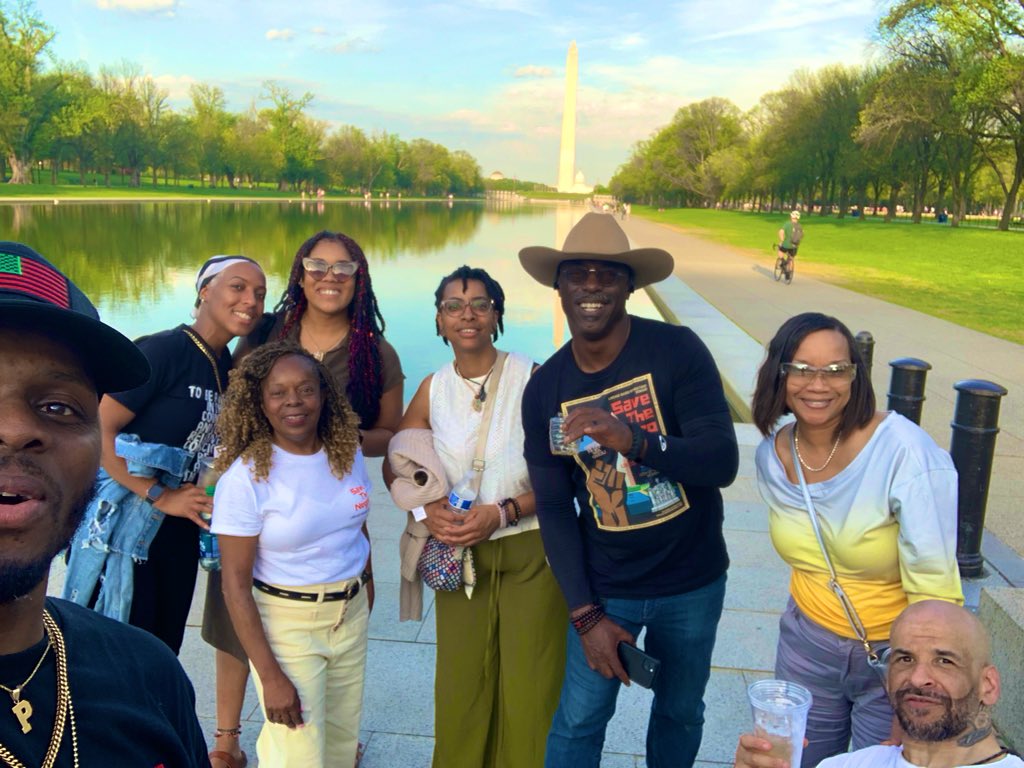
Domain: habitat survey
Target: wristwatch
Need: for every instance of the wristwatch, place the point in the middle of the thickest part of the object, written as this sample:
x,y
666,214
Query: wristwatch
x,y
155,492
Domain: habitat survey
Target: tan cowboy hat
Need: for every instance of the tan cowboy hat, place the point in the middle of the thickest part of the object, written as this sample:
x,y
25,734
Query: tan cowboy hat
x,y
597,237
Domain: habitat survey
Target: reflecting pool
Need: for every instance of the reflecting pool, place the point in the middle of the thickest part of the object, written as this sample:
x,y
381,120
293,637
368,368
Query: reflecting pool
x,y
137,261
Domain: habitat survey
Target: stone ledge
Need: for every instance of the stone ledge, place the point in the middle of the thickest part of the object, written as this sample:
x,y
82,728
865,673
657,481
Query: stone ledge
x,y
736,353
1002,611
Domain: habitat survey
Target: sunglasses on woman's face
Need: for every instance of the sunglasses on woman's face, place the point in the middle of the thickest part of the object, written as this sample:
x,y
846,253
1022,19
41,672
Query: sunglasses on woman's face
x,y
805,374
318,268
455,307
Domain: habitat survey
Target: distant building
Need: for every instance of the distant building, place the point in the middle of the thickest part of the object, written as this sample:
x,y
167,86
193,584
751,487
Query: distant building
x,y
497,176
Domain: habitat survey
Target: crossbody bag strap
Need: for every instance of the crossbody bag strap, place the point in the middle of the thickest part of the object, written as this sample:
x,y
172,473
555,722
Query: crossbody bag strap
x,y
479,464
833,583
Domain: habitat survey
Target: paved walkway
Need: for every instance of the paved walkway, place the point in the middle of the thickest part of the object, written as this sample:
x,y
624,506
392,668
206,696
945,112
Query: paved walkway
x,y
398,708
739,284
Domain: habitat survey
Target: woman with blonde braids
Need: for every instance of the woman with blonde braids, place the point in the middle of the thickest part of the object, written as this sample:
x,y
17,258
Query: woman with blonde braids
x,y
290,514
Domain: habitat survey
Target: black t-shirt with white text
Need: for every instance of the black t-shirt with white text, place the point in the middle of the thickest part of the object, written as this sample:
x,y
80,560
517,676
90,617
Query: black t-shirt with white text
x,y
179,404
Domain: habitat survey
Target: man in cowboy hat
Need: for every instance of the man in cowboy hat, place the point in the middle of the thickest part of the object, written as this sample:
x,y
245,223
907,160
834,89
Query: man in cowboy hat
x,y
86,690
652,440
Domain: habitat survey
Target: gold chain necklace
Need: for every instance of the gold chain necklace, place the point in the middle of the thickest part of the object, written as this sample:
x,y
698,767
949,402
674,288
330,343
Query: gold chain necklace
x,y
22,709
208,356
320,351
480,391
65,709
808,467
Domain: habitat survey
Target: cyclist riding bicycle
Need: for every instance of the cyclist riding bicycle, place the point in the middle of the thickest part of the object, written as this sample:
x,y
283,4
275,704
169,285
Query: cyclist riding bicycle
x,y
790,236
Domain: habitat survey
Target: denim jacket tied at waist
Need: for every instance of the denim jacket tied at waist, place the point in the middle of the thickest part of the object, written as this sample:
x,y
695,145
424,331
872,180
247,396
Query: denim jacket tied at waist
x,y
119,526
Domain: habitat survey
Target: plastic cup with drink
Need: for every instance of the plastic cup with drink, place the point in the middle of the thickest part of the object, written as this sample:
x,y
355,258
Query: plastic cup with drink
x,y
780,716
556,438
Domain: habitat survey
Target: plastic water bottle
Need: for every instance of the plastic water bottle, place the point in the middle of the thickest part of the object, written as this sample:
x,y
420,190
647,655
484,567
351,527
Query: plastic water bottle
x,y
209,550
463,495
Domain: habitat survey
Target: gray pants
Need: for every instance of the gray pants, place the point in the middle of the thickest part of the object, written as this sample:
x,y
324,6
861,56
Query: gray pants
x,y
849,699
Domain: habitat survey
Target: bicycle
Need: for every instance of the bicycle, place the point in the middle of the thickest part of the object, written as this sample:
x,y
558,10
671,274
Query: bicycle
x,y
784,266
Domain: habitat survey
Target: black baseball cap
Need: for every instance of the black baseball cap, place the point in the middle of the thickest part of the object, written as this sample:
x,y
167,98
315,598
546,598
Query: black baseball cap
x,y
35,291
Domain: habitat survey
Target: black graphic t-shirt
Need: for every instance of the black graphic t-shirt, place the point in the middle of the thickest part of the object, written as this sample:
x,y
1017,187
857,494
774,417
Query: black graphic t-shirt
x,y
133,704
643,529
178,406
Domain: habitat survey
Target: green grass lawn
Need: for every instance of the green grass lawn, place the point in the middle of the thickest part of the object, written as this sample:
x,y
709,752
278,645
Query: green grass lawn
x,y
971,277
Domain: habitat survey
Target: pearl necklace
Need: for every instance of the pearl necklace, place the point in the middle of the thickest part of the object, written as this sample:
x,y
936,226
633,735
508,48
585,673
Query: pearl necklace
x,y
808,467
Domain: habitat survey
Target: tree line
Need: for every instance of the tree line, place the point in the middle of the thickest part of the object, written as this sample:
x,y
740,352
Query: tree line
x,y
120,122
937,122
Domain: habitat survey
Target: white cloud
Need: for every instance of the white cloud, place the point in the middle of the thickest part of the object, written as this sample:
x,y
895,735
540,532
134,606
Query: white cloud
x,y
138,6
177,86
634,40
528,7
280,34
704,20
355,44
532,70
318,30
480,121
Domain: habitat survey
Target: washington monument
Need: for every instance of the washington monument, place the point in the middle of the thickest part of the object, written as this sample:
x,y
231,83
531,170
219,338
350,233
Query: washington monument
x,y
567,154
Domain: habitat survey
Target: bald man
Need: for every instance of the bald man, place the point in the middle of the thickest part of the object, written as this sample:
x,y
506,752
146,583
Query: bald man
x,y
942,685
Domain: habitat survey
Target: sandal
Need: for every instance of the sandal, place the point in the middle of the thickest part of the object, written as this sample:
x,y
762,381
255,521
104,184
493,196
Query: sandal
x,y
229,760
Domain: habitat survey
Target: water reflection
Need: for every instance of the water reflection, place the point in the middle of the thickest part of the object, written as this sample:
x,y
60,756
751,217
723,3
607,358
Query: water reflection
x,y
137,261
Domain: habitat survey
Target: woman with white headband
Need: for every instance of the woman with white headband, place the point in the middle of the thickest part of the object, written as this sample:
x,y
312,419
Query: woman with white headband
x,y
169,422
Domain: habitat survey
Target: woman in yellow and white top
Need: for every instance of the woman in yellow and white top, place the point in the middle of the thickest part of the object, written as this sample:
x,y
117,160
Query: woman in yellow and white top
x,y
885,496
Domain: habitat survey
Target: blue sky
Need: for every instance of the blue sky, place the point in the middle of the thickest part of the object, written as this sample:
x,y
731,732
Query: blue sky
x,y
482,75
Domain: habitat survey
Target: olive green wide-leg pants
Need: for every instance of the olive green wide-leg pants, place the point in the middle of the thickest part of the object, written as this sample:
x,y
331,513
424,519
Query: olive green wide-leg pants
x,y
500,659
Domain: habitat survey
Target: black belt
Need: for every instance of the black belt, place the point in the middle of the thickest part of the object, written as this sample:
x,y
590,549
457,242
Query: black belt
x,y
310,597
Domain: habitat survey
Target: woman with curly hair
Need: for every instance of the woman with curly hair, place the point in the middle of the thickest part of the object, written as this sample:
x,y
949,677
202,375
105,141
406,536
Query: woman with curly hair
x,y
290,514
330,310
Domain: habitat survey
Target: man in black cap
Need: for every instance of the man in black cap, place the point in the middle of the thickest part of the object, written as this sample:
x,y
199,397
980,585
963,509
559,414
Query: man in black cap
x,y
651,443
84,690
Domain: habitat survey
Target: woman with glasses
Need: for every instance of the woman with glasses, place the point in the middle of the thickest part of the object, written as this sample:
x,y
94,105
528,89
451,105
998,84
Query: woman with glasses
x,y
885,497
330,310
500,653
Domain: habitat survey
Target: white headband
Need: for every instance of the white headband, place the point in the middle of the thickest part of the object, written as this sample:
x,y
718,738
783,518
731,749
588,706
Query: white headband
x,y
217,264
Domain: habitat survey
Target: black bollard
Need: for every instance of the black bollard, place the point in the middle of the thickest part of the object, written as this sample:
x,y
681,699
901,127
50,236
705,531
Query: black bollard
x,y
906,387
975,426
866,347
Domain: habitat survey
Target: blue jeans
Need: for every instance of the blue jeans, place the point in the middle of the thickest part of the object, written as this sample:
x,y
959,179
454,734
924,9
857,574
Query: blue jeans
x,y
681,633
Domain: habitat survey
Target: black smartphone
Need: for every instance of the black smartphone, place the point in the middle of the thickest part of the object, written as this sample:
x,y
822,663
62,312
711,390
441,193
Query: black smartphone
x,y
641,668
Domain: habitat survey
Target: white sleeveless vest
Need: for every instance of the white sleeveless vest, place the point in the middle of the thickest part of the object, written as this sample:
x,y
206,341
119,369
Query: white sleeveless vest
x,y
456,426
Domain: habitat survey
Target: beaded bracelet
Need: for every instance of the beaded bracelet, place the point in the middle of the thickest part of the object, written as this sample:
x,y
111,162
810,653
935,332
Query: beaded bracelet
x,y
636,445
516,510
502,515
589,619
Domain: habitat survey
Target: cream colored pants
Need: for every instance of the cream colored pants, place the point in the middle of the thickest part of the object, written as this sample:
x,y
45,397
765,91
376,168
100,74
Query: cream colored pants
x,y
322,648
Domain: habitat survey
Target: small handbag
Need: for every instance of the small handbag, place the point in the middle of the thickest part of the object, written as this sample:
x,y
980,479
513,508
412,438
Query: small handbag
x,y
877,661
443,567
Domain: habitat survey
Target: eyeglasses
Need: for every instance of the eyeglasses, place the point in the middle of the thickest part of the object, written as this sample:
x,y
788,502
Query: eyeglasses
x,y
606,276
807,373
455,307
318,268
